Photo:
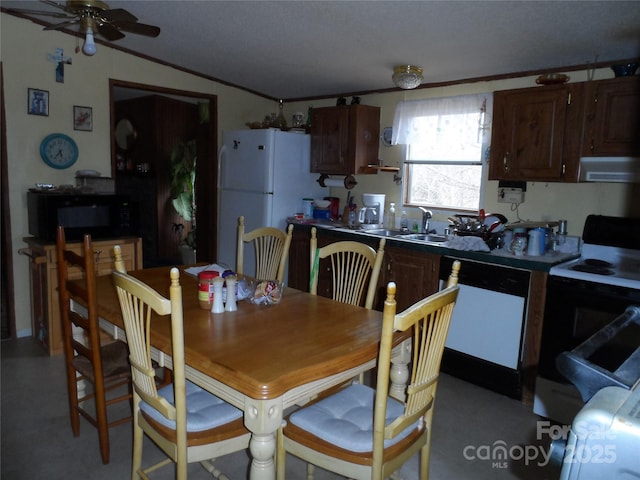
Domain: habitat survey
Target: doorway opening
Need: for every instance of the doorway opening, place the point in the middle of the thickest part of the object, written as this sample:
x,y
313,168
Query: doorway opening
x,y
157,119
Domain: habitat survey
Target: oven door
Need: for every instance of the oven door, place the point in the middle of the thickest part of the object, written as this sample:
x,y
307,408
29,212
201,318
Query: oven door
x,y
575,310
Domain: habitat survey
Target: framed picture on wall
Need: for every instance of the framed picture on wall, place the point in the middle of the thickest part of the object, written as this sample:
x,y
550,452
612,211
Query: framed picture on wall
x,y
82,118
38,102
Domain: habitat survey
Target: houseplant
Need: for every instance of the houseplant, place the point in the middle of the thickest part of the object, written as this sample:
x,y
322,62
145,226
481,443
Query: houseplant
x,y
183,181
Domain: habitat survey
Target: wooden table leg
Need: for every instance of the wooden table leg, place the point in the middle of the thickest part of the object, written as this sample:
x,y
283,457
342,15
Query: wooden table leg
x,y
399,373
263,418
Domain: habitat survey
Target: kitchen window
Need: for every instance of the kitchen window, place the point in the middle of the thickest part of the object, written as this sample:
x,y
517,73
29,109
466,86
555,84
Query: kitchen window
x,y
447,141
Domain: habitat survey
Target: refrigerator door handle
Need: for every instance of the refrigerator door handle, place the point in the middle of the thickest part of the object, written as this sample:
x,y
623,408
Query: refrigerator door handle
x,y
221,157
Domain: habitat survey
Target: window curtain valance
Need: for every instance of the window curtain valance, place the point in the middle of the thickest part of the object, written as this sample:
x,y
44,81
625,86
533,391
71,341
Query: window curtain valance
x,y
428,122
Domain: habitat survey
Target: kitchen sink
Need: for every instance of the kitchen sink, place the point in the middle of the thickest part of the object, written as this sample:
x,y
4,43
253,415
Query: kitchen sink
x,y
383,232
425,237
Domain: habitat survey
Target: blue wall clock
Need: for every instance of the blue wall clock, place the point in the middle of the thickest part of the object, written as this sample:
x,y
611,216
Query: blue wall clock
x,y
59,150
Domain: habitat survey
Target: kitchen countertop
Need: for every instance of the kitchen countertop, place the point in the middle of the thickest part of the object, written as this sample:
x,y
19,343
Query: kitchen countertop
x,y
497,257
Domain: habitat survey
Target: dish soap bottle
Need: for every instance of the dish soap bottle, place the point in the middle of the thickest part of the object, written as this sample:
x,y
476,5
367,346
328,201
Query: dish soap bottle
x,y
391,217
404,221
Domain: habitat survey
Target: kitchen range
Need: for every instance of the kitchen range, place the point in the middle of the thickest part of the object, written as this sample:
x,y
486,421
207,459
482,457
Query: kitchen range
x,y
583,296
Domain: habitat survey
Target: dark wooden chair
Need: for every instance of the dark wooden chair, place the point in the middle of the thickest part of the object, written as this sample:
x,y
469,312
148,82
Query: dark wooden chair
x,y
98,375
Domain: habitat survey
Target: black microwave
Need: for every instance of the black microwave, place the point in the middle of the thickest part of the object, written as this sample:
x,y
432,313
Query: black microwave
x,y
101,216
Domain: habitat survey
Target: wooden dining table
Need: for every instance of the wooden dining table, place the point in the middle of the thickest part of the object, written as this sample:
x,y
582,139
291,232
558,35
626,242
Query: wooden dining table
x,y
263,359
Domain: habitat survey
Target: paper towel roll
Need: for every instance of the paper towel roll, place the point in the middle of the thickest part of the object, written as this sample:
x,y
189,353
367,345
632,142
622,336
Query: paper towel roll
x,y
347,182
334,182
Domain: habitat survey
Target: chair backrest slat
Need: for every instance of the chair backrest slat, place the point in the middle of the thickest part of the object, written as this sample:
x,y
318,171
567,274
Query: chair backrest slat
x,y
429,320
355,268
271,250
139,304
84,293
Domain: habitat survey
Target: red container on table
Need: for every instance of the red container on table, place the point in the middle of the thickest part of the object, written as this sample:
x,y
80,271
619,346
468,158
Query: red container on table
x,y
205,288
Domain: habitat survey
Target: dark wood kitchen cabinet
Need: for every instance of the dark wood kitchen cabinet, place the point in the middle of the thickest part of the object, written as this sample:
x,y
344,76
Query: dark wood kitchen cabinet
x,y
414,272
344,140
536,133
539,133
612,117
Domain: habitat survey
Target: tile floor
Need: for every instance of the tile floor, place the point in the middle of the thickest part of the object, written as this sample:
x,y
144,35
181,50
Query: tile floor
x,y
471,425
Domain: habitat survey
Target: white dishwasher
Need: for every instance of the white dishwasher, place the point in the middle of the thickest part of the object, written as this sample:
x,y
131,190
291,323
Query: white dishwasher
x,y
484,344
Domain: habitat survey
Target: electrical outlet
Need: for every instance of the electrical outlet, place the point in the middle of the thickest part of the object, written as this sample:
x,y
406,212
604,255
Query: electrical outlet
x,y
510,195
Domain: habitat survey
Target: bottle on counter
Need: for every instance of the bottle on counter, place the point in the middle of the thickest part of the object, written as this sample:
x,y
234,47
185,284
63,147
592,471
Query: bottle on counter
x,y
391,216
519,243
404,221
351,222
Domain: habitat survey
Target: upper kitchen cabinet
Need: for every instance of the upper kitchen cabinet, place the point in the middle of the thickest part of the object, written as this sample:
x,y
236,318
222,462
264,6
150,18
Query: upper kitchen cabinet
x,y
540,133
536,133
344,139
612,117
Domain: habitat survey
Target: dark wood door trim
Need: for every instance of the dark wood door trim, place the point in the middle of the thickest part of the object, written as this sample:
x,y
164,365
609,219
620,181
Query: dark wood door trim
x,y
8,298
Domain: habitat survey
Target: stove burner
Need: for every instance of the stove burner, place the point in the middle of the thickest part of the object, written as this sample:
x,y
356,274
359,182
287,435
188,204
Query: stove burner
x,y
595,269
594,262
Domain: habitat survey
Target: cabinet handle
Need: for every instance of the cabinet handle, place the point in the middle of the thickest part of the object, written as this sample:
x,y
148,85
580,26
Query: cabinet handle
x,y
96,255
505,161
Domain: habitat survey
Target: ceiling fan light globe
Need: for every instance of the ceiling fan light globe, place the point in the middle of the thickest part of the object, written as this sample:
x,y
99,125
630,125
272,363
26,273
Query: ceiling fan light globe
x,y
407,77
89,47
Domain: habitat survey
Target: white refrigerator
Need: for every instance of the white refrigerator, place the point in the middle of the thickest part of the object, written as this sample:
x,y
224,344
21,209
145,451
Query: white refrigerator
x,y
263,175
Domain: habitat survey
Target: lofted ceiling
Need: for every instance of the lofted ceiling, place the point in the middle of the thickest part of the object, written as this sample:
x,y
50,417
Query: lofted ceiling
x,y
305,49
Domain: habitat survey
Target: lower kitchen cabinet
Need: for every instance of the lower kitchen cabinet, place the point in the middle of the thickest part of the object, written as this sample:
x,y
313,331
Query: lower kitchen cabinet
x,y
299,259
45,309
494,340
415,274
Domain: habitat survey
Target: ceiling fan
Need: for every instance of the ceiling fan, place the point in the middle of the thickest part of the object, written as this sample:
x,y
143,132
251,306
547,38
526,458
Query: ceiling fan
x,y
93,16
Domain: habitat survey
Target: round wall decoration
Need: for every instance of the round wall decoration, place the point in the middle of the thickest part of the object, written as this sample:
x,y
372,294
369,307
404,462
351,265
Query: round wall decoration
x,y
59,150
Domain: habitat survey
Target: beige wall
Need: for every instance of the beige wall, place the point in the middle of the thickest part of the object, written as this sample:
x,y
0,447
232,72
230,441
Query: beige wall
x,y
543,201
24,49
25,65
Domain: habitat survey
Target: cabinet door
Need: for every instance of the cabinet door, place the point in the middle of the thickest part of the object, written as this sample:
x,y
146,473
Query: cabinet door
x,y
344,140
528,133
330,141
365,138
299,262
612,119
415,274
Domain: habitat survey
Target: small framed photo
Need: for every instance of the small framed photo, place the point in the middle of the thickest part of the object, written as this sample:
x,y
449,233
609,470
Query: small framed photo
x,y
82,118
38,102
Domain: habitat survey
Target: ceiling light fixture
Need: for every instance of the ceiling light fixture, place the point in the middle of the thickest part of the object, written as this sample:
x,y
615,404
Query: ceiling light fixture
x,y
89,46
89,25
407,77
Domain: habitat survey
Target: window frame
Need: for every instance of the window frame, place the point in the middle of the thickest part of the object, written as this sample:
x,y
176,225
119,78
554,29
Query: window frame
x,y
485,103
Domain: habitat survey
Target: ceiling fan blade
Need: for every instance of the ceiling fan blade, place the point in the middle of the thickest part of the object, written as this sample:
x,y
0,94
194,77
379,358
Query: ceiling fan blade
x,y
138,28
59,26
40,12
109,32
61,6
118,15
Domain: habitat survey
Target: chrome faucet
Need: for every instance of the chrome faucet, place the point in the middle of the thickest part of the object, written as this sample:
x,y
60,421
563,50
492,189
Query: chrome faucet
x,y
426,216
